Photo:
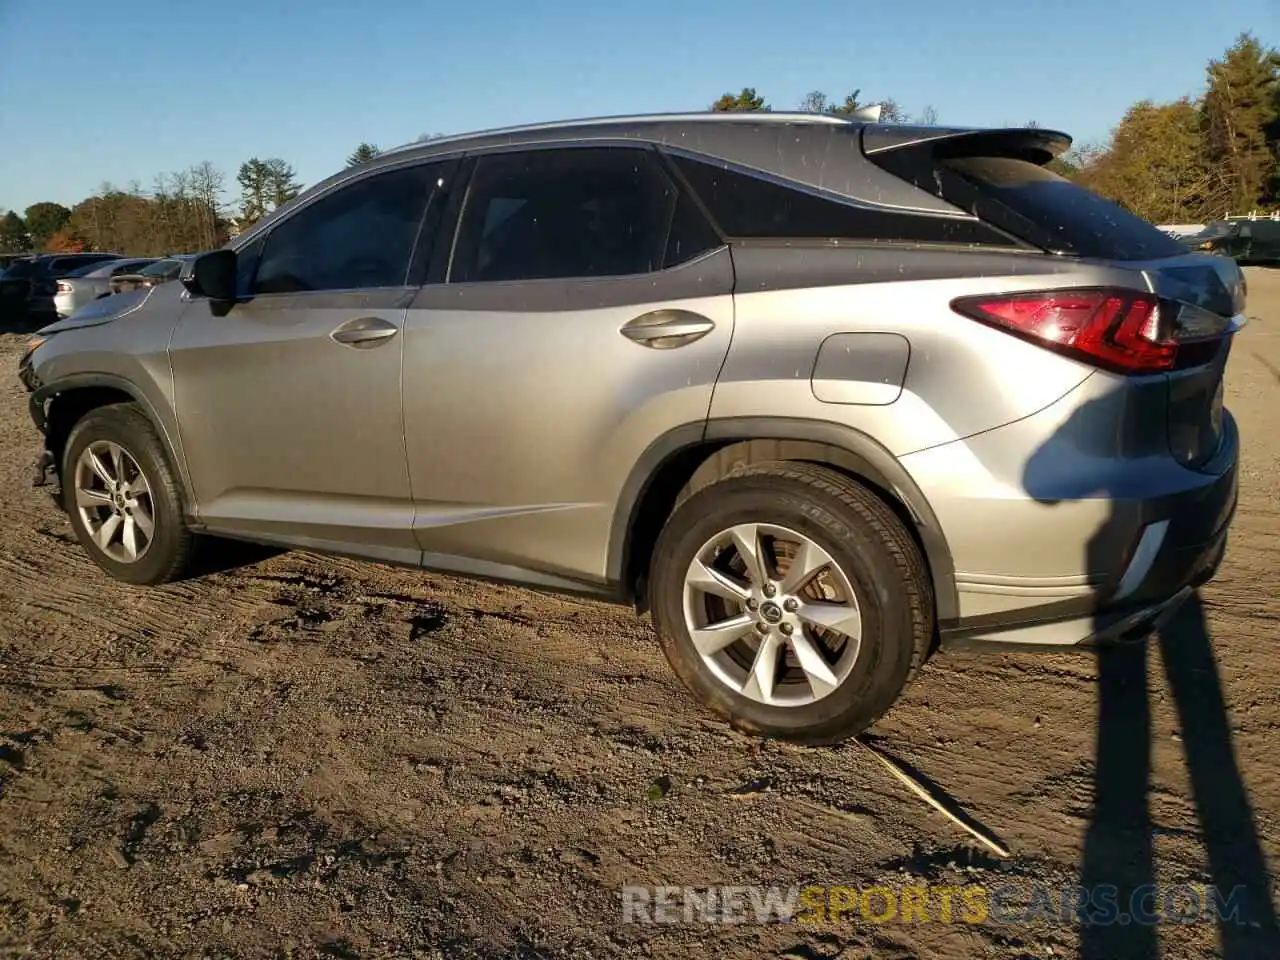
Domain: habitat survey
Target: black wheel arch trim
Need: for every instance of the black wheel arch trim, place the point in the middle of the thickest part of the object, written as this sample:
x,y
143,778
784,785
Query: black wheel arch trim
x,y
867,458
80,381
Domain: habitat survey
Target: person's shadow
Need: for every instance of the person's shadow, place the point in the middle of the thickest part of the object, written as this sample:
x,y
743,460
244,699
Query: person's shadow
x,y
1119,855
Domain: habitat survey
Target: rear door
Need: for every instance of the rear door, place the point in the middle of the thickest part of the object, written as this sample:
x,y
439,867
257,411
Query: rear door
x,y
289,403
587,311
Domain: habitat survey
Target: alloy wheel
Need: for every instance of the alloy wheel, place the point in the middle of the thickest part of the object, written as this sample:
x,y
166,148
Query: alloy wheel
x,y
114,501
772,615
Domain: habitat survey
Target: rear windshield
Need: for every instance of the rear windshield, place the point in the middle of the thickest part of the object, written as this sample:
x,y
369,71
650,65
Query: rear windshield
x,y
1076,220
85,269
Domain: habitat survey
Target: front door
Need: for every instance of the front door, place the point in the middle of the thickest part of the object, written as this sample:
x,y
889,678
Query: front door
x,y
588,310
289,403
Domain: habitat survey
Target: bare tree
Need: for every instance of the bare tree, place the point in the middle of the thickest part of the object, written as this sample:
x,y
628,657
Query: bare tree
x,y
815,102
207,183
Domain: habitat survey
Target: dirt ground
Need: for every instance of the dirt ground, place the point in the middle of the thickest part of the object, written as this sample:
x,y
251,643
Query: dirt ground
x,y
309,757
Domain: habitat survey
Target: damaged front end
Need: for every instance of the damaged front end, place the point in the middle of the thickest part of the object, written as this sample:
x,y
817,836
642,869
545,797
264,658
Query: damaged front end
x,y
46,467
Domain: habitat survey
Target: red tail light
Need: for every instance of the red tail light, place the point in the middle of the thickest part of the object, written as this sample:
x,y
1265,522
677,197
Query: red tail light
x,y
1120,330
64,287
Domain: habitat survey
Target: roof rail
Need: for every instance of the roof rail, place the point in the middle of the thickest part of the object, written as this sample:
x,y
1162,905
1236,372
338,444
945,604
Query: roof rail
x,y
1253,215
863,114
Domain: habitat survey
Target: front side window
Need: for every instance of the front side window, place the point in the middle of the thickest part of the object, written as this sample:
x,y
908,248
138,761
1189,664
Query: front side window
x,y
578,212
357,237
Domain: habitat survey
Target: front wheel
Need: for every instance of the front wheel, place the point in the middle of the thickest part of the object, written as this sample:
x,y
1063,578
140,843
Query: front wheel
x,y
791,601
122,497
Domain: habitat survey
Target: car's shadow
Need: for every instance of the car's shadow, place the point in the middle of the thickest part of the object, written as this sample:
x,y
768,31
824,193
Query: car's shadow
x,y
1118,863
216,555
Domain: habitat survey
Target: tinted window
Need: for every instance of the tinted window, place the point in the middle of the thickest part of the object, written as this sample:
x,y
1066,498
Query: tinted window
x,y
1074,219
25,269
357,237
750,206
588,212
690,233
63,264
161,268
85,270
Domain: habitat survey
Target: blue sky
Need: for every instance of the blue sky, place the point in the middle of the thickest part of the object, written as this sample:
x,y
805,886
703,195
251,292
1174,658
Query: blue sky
x,y
93,91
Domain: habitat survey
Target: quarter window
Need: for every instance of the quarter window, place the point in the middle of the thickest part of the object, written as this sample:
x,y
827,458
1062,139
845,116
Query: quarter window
x,y
581,212
750,207
357,237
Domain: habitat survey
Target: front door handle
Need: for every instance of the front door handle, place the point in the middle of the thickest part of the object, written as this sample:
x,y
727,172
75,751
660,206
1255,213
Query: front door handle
x,y
364,332
664,329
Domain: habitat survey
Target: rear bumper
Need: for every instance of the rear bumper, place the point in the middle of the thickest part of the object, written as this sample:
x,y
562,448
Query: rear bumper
x,y
1182,541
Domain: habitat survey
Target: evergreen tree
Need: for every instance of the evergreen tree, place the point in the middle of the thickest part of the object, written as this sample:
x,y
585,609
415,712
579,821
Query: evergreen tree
x,y
1239,114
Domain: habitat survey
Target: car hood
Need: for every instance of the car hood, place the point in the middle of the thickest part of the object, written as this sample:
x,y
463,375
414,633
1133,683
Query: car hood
x,y
103,310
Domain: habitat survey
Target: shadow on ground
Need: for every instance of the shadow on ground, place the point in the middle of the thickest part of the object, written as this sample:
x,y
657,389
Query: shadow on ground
x,y
1126,908
1118,847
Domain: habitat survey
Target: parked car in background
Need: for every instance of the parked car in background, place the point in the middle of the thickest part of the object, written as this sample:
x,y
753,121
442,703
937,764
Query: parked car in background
x,y
1244,239
815,392
91,281
28,285
1180,231
154,273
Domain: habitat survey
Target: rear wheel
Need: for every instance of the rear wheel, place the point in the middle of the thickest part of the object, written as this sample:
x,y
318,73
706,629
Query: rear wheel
x,y
791,600
122,497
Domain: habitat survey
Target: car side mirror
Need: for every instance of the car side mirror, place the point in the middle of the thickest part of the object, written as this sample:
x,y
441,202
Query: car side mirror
x,y
211,275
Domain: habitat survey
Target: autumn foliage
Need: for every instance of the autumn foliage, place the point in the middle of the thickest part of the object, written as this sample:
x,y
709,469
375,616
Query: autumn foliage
x,y
65,241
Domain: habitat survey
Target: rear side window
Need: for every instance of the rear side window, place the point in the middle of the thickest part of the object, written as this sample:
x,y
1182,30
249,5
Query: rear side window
x,y
357,237
747,206
574,213
1068,217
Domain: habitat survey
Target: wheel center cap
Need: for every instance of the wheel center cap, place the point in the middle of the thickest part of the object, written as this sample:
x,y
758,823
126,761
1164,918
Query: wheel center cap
x,y
771,612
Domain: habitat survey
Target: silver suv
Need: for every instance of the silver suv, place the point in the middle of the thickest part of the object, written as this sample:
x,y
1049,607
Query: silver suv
x,y
818,393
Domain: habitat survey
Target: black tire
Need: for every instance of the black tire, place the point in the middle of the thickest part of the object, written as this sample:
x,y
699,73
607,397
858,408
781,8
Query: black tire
x,y
869,544
172,544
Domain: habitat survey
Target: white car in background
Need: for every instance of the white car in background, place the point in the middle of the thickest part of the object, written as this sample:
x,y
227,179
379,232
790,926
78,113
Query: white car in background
x,y
91,281
1180,230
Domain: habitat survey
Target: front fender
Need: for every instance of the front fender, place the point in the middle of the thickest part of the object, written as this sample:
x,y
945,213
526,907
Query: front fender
x,y
39,405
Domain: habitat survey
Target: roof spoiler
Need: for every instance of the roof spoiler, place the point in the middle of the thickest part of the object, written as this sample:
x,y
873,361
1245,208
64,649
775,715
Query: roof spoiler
x,y
1025,143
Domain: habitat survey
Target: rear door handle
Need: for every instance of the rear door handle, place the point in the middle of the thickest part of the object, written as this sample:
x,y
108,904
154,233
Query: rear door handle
x,y
364,332
664,329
